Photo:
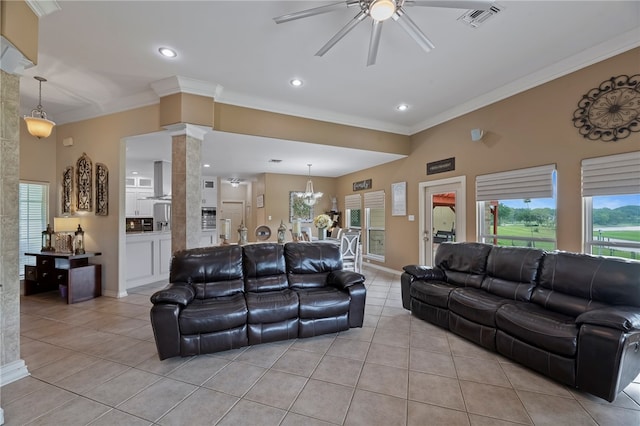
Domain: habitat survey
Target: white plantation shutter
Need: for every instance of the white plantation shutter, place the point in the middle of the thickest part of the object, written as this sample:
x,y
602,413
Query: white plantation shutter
x,y
374,200
352,202
33,204
611,175
534,182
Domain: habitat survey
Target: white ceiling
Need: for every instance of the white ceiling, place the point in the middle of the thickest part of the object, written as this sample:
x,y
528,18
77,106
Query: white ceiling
x,y
101,57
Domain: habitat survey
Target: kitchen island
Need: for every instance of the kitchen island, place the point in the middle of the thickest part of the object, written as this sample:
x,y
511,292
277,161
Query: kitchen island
x,y
148,257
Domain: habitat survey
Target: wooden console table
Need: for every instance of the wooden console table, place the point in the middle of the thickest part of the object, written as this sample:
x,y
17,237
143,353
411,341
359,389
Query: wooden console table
x,y
83,280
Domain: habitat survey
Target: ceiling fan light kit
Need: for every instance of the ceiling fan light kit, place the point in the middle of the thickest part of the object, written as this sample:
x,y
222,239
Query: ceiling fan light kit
x,y
37,124
380,11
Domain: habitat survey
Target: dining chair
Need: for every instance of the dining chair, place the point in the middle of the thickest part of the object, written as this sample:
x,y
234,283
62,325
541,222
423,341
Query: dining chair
x,y
350,251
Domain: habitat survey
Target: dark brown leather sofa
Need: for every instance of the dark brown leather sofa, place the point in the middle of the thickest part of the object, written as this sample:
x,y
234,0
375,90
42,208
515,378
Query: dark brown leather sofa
x,y
572,317
227,297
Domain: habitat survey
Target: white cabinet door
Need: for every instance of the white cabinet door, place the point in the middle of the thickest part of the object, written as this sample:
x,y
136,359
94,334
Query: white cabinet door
x,y
208,239
131,203
209,192
136,203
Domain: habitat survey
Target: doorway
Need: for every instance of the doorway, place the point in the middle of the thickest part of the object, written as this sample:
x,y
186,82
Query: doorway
x,y
233,210
442,215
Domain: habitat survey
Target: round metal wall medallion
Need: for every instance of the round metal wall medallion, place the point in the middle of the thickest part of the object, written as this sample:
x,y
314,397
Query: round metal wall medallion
x,y
611,111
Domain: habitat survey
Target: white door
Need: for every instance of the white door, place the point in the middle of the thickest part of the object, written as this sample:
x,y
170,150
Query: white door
x,y
442,215
233,210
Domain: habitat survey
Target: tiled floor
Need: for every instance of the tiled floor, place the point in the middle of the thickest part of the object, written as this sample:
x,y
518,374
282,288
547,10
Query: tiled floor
x,y
95,363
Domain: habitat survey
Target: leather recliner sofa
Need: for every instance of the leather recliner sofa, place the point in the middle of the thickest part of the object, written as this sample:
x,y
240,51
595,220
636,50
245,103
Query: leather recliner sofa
x,y
226,297
572,317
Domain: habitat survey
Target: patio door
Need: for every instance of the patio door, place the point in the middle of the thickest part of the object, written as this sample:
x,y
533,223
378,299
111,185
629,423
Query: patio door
x,y
442,215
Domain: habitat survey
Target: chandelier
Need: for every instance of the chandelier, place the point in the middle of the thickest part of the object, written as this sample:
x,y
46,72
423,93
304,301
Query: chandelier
x,y
308,196
37,124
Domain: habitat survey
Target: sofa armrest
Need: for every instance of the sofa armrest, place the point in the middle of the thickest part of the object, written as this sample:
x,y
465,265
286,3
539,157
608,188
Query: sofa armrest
x,y
180,294
625,318
344,279
420,272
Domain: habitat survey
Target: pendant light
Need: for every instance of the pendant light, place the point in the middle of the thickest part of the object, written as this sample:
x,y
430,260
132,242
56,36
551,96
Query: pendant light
x,y
308,196
37,124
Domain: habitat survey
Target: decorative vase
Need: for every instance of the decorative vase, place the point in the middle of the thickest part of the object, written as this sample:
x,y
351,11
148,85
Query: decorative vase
x,y
322,233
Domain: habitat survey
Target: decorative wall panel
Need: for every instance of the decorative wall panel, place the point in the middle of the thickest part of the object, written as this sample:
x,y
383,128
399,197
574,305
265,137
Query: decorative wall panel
x,y
84,183
67,190
102,190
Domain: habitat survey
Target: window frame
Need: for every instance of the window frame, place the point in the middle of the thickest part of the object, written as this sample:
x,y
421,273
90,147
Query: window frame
x,y
24,221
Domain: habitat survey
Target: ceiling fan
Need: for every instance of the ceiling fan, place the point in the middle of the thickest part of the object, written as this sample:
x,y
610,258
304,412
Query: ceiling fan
x,y
379,11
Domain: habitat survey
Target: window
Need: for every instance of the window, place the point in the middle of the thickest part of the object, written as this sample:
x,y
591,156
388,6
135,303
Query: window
x,y
374,228
518,208
353,212
33,203
611,203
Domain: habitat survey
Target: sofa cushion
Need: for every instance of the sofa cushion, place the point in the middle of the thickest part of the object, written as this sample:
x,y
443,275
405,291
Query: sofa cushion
x,y
212,271
323,302
463,263
309,264
512,272
264,267
432,293
215,314
568,277
476,305
539,327
272,306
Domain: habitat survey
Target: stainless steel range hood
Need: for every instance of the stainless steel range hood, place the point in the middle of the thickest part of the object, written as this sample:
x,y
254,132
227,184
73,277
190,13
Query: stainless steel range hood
x,y
161,180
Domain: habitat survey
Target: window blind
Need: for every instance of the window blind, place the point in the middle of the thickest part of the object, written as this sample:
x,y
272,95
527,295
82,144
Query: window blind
x,y
352,202
32,219
374,200
534,182
611,175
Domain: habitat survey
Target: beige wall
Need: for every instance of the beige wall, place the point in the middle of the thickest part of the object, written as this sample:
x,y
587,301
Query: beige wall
x,y
530,129
19,25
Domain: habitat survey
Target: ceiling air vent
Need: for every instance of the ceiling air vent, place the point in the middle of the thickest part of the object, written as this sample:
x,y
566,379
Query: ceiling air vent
x,y
475,18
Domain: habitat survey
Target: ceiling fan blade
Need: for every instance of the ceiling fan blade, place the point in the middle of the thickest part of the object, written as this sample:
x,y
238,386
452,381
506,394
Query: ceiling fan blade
x,y
453,4
309,12
412,29
343,32
374,42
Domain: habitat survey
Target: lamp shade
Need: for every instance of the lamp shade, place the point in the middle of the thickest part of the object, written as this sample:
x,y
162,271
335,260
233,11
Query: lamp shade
x,y
65,224
39,127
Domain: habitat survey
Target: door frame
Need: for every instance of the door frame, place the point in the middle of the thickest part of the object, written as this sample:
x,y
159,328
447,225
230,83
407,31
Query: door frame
x,y
461,210
221,206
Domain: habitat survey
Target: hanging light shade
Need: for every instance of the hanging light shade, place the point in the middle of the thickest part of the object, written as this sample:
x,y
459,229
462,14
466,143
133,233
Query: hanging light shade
x,y
37,123
381,10
309,197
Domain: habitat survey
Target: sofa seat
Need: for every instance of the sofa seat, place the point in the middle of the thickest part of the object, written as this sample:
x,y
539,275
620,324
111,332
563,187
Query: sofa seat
x,y
323,302
435,293
215,314
476,305
272,306
533,324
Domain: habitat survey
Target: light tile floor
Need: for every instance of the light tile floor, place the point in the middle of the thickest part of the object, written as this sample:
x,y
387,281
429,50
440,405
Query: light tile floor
x,y
95,363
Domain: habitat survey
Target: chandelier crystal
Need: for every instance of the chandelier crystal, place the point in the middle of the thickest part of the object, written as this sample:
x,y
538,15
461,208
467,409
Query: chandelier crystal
x,y
37,123
309,197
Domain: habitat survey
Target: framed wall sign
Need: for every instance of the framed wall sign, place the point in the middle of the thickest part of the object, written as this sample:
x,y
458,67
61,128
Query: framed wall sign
x,y
399,199
440,166
362,185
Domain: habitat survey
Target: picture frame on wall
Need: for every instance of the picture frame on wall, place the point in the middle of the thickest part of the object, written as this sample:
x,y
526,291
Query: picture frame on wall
x,y
399,199
298,210
260,201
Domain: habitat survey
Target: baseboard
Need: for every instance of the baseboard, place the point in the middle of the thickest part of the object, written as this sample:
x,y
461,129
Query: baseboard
x,y
115,294
13,371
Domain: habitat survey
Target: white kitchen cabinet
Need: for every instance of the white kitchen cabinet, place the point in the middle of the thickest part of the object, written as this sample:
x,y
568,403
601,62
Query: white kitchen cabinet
x,y
208,239
209,191
137,204
148,257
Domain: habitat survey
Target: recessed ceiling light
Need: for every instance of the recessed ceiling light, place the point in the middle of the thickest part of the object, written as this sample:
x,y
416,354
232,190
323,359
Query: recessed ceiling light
x,y
134,173
169,53
206,165
275,160
296,82
402,107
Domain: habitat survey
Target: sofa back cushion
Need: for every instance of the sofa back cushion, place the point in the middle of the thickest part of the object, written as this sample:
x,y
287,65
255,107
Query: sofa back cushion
x,y
572,283
464,263
512,272
264,267
309,264
211,271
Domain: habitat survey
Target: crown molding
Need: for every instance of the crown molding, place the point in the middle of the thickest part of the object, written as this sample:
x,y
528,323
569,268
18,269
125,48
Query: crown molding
x,y
191,130
43,7
178,84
